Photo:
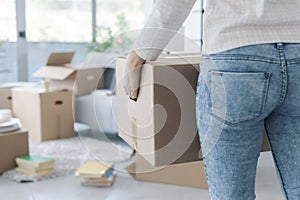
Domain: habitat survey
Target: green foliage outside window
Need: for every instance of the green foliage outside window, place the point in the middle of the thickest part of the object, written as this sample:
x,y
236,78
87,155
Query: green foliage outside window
x,y
112,41
1,43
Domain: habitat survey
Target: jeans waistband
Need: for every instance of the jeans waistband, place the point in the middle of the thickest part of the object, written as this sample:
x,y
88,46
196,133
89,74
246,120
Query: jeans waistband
x,y
266,52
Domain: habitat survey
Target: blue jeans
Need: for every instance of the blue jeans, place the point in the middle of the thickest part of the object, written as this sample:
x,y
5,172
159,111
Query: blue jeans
x,y
240,92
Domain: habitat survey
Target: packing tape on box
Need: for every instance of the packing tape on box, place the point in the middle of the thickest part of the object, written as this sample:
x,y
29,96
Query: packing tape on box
x,y
5,115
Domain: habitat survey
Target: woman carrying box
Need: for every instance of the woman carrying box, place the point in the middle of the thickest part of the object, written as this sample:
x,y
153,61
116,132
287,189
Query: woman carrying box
x,y
249,79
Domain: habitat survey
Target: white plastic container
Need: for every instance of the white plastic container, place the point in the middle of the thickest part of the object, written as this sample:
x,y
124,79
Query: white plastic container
x,y
98,110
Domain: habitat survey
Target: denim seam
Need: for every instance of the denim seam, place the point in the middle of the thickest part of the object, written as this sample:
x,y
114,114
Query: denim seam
x,y
283,115
206,175
265,90
229,123
283,69
242,57
276,166
293,61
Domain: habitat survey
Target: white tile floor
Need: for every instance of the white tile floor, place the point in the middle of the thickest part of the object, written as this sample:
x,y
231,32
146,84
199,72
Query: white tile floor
x,y
126,188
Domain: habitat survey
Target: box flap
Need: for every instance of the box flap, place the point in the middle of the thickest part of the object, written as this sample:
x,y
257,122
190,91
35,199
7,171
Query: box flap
x,y
60,59
54,72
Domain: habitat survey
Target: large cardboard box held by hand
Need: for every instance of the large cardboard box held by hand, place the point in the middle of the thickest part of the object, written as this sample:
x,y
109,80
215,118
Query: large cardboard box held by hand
x,y
46,115
161,125
62,75
12,145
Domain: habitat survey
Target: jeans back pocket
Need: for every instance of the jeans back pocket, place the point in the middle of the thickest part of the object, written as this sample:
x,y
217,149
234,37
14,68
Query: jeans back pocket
x,y
238,96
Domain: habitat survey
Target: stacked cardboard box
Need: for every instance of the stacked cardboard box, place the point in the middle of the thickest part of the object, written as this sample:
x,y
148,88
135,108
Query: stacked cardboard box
x,y
6,95
82,79
46,115
12,145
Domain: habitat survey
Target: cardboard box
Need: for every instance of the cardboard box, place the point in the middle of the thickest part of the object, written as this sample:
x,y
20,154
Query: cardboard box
x,y
5,93
190,174
161,125
46,115
103,60
81,79
12,145
5,97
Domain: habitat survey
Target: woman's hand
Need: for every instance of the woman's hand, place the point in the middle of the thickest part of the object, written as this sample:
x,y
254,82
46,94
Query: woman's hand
x,y
132,73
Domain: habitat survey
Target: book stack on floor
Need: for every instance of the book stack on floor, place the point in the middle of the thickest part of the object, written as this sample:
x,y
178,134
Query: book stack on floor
x,y
35,165
94,173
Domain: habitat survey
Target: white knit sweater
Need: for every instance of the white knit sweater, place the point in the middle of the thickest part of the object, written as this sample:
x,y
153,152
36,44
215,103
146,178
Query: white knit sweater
x,y
228,24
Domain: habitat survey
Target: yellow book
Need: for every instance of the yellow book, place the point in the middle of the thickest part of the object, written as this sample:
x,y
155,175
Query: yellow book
x,y
95,169
35,169
36,174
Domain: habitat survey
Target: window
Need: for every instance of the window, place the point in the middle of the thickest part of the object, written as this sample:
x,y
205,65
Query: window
x,y
59,20
7,41
8,20
109,10
58,25
114,19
